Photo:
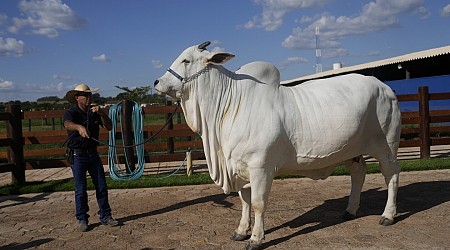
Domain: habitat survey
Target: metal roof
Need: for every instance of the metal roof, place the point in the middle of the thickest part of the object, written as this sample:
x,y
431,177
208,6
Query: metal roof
x,y
424,63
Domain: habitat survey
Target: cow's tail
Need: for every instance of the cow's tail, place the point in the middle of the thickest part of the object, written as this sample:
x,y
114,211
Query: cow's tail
x,y
389,116
394,129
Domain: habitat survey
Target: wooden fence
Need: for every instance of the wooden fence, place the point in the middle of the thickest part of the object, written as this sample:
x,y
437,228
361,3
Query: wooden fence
x,y
44,149
420,129
424,128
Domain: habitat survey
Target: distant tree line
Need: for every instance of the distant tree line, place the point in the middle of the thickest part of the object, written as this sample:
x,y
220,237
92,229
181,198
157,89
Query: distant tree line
x,y
138,94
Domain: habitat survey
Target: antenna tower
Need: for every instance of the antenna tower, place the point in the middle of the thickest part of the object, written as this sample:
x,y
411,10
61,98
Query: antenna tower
x,y
318,52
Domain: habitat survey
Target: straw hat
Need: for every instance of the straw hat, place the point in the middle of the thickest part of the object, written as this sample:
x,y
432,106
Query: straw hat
x,y
81,88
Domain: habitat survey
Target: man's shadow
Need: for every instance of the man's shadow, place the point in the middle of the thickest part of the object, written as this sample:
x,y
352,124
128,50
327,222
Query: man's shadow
x,y
217,199
22,200
411,199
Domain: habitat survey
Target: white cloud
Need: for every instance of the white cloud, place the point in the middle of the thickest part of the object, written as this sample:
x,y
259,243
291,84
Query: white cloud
x,y
218,49
423,13
332,53
6,85
50,88
157,64
292,61
373,53
46,17
215,46
215,43
62,77
101,58
11,47
274,12
446,10
53,87
305,19
305,38
375,16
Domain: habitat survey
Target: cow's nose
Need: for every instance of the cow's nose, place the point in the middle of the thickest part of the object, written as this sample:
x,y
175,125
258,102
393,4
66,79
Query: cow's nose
x,y
156,83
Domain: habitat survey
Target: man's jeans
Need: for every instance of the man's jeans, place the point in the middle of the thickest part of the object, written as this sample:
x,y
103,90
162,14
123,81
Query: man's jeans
x,y
90,162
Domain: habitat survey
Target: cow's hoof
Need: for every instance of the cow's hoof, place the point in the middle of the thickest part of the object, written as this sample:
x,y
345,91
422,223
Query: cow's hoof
x,y
239,237
253,246
348,216
385,221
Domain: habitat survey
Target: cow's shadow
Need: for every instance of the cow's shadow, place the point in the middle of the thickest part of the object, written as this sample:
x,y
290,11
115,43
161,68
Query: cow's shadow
x,y
411,199
218,199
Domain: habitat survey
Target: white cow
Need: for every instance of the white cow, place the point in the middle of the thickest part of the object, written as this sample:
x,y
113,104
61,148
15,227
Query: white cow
x,y
261,72
253,132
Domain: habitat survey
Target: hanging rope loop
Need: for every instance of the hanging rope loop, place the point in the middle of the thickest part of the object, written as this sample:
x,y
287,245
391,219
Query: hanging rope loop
x,y
126,172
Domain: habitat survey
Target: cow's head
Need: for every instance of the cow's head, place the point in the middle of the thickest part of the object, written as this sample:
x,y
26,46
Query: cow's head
x,y
193,62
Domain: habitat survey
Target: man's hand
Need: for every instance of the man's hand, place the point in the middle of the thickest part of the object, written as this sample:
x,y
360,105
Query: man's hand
x,y
70,125
83,131
107,123
95,108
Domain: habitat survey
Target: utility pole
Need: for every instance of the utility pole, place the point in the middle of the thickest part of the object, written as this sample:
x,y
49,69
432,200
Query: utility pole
x,y
318,52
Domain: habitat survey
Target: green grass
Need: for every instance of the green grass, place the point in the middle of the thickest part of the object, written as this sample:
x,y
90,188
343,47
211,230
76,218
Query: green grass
x,y
148,181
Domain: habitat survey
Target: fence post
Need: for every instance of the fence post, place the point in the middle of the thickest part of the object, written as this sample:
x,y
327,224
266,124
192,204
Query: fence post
x,y
424,114
15,152
189,169
170,144
127,133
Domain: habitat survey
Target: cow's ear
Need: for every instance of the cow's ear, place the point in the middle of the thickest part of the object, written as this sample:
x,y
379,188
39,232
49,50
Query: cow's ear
x,y
219,58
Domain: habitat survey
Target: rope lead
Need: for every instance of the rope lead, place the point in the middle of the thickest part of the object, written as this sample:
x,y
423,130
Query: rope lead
x,y
116,172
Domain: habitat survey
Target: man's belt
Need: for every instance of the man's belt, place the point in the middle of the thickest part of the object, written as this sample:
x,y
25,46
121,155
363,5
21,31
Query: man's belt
x,y
79,151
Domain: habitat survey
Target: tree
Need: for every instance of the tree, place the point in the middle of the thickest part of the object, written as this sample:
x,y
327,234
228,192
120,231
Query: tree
x,y
96,98
138,94
48,99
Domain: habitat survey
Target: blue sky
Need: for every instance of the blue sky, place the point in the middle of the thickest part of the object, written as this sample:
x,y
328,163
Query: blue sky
x,y
49,46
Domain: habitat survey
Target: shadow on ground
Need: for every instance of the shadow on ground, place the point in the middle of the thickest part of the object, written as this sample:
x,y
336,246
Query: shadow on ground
x,y
411,199
28,245
218,199
22,200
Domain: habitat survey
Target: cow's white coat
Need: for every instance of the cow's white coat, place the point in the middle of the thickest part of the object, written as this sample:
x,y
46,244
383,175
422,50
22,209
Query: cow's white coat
x,y
260,72
253,132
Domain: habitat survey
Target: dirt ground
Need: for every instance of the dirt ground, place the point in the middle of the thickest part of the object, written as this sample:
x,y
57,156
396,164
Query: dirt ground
x,y
302,214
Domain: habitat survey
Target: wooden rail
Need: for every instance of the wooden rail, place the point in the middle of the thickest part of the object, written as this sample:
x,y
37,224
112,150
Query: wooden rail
x,y
43,149
14,141
426,123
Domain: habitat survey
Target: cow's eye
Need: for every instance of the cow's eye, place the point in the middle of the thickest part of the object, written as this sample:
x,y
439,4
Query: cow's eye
x,y
186,61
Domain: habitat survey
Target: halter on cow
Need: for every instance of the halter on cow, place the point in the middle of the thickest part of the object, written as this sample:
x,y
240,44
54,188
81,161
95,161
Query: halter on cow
x,y
194,76
253,132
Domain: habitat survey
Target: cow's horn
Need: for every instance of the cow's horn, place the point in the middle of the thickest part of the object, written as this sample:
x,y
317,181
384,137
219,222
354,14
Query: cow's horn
x,y
204,45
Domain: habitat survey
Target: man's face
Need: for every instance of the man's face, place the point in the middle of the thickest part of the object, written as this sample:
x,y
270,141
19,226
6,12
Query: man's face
x,y
84,99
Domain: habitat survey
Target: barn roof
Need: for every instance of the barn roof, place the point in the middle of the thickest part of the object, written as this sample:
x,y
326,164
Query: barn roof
x,y
424,63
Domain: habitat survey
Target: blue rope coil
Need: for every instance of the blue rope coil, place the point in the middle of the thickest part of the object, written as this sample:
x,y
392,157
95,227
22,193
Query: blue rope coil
x,y
116,172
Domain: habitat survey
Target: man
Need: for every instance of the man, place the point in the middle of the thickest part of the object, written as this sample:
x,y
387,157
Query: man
x,y
82,123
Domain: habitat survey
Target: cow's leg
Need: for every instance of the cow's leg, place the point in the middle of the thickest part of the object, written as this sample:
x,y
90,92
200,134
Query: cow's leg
x,y
390,170
261,184
244,228
357,167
